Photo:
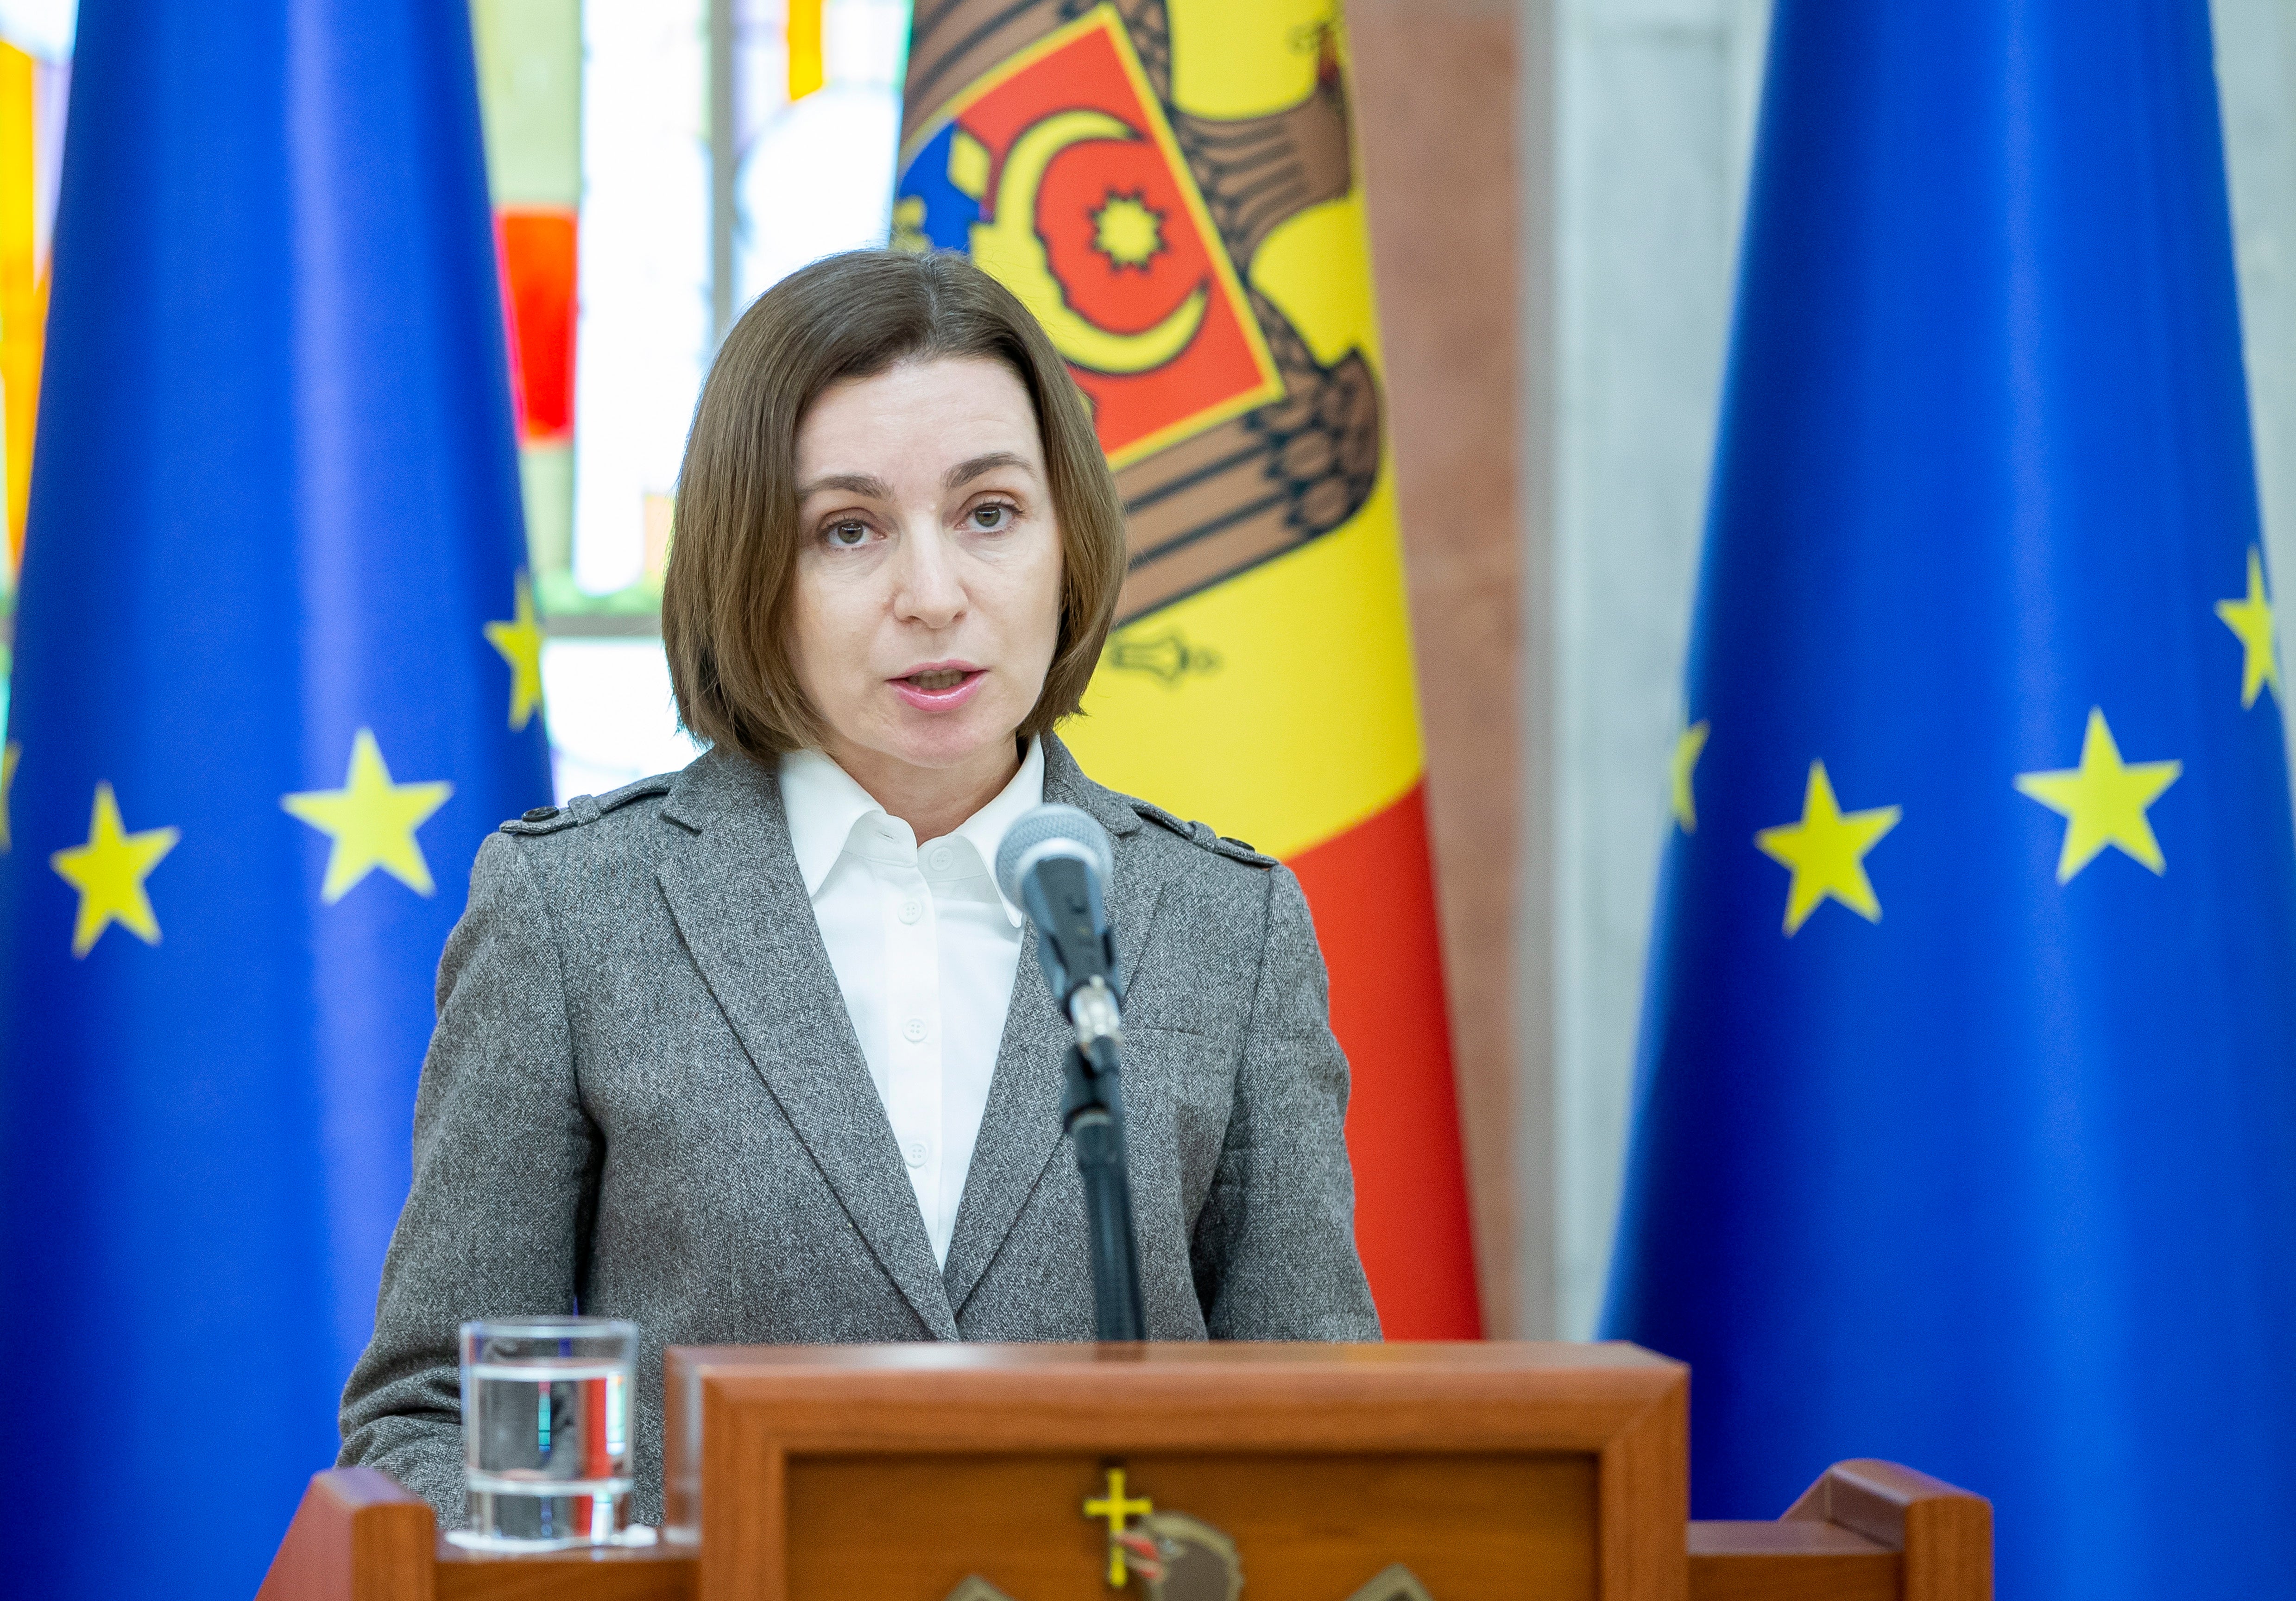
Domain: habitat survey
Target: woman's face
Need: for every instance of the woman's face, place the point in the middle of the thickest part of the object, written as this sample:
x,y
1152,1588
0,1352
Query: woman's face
x,y
927,594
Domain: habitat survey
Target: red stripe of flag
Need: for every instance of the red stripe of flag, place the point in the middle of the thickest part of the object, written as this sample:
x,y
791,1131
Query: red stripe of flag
x,y
1371,891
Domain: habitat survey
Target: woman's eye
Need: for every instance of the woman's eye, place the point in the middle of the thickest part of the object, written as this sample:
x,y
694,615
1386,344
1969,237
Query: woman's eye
x,y
991,517
847,535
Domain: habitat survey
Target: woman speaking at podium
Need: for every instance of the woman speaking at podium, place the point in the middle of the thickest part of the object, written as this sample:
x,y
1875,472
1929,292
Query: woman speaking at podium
x,y
750,1053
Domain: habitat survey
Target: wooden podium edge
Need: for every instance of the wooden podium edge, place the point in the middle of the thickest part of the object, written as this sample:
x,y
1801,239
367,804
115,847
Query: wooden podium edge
x,y
356,1536
1866,1531
1644,1471
1946,1532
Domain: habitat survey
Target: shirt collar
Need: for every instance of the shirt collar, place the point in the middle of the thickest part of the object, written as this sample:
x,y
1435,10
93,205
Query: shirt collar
x,y
824,804
984,830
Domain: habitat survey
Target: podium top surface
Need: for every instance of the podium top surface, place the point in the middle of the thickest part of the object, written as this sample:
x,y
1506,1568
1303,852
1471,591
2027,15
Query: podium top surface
x,y
1473,1395
1104,1363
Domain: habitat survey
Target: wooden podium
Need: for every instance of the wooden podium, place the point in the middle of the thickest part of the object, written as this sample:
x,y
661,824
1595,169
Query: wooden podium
x,y
1311,1473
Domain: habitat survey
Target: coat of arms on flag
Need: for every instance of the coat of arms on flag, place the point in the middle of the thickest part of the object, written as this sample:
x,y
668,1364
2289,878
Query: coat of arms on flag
x,y
1128,227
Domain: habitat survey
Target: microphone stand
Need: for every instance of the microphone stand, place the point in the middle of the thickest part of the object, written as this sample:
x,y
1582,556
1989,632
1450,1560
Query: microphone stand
x,y
1057,877
1093,1113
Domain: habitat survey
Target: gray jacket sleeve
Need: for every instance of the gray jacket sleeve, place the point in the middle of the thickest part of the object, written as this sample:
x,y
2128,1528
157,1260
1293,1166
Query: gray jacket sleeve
x,y
1275,1245
503,1157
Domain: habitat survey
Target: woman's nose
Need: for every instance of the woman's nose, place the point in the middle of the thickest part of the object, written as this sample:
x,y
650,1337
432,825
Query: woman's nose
x,y
926,586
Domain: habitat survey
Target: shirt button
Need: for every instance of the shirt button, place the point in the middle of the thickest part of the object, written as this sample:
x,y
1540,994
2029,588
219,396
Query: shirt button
x,y
911,911
940,858
915,1152
914,1031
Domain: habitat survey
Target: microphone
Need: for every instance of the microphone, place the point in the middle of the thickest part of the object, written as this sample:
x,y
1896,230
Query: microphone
x,y
1054,863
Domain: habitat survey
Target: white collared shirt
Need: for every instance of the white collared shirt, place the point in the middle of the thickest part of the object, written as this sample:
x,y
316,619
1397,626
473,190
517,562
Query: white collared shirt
x,y
924,947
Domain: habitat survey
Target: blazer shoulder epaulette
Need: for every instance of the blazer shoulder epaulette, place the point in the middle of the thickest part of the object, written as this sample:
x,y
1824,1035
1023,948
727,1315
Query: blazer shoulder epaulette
x,y
587,808
1201,836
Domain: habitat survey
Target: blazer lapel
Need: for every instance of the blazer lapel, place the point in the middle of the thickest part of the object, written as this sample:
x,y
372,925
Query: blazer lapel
x,y
1020,1126
741,904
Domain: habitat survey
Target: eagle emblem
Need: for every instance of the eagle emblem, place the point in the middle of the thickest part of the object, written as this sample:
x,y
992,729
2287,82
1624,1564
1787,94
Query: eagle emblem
x,y
1042,139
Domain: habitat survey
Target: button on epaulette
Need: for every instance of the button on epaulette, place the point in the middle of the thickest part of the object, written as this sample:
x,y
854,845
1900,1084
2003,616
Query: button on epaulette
x,y
1202,834
1238,851
544,819
585,808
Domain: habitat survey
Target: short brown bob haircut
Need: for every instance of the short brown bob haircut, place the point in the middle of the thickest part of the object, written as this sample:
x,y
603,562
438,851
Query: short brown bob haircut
x,y
725,601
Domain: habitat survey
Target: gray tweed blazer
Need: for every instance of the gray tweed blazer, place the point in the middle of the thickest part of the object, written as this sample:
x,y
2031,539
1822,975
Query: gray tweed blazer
x,y
645,1099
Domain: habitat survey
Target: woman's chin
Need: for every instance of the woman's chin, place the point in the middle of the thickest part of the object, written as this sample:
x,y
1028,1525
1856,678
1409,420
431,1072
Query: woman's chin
x,y
941,742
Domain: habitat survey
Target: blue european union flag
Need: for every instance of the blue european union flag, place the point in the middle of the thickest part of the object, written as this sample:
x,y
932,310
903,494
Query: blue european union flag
x,y
1966,1120
276,677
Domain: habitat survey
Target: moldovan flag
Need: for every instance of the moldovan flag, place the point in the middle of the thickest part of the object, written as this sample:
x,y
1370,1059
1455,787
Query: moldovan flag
x,y
1170,188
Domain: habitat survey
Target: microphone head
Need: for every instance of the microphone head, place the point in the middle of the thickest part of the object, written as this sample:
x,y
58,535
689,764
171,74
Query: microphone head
x,y
1050,830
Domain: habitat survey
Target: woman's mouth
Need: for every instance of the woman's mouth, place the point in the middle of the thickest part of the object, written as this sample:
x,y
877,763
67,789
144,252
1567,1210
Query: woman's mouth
x,y
941,687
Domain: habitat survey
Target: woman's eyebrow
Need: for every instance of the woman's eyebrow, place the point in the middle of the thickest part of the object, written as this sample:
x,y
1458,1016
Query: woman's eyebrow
x,y
964,472
851,483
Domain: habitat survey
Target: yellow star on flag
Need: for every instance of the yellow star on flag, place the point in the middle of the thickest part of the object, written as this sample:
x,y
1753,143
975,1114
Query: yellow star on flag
x,y
1686,748
520,644
2252,620
1127,230
372,822
1827,851
8,755
108,872
2105,800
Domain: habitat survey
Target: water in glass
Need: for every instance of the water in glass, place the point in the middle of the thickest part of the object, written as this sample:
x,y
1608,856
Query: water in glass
x,y
545,1424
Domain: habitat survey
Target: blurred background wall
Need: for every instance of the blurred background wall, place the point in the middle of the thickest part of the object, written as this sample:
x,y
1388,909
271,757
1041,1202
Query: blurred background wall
x,y
1555,188
1555,193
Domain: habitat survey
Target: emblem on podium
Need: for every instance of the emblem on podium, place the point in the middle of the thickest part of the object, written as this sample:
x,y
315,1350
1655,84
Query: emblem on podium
x,y
974,1587
1180,1558
1175,1556
1393,1583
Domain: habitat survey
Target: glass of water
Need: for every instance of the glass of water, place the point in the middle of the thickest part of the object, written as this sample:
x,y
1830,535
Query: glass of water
x,y
547,1430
